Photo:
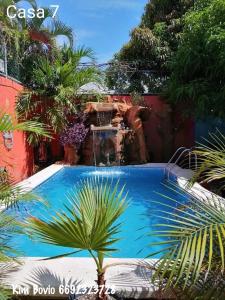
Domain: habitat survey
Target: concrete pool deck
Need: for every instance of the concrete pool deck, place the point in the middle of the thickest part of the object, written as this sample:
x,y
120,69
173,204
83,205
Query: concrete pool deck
x,y
129,277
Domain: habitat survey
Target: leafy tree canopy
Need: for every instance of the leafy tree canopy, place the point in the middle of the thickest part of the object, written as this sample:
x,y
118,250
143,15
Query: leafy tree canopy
x,y
198,68
142,64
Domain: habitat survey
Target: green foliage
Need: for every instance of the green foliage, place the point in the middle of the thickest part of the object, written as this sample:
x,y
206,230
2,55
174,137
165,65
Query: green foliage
x,y
54,29
55,84
198,67
142,64
193,253
27,39
211,157
137,99
8,228
10,196
8,123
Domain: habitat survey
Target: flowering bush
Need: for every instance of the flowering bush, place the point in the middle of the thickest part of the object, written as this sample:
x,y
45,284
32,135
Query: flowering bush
x,y
74,135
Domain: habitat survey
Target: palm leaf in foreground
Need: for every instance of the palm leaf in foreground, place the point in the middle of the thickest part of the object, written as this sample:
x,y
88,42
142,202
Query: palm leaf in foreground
x,y
8,123
89,223
194,241
211,155
9,227
11,195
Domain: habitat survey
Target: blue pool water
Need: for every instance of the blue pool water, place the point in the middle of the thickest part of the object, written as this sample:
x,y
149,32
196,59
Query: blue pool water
x,y
142,185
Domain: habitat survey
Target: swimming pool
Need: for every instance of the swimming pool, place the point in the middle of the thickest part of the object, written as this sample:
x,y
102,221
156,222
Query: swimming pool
x,y
142,184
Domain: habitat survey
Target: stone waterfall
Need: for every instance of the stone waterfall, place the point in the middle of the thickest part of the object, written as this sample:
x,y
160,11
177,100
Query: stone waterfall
x,y
106,138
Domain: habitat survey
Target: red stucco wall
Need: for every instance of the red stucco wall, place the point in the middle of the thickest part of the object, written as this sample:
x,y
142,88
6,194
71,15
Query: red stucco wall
x,y
166,130
19,160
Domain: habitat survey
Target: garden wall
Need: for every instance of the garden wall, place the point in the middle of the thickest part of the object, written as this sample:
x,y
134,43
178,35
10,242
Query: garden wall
x,y
166,130
19,159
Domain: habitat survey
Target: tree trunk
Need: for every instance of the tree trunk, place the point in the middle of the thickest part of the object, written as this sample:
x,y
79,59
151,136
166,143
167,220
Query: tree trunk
x,y
101,287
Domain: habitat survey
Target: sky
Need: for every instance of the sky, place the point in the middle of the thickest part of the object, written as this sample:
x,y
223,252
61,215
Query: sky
x,y
103,25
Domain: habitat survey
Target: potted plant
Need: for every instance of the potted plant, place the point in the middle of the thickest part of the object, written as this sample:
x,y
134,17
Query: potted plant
x,y
72,138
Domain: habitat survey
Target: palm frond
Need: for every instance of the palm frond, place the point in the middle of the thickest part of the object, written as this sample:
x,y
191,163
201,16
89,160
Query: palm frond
x,y
59,28
194,235
211,155
37,23
8,123
33,128
12,195
84,52
90,220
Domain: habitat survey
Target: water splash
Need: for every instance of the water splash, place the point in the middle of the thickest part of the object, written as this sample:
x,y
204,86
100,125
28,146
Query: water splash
x,y
104,173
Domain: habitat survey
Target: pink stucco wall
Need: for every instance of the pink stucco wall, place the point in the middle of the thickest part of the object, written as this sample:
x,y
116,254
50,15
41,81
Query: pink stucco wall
x,y
19,160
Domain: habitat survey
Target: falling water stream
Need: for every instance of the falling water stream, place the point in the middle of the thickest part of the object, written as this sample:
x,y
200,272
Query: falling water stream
x,y
105,144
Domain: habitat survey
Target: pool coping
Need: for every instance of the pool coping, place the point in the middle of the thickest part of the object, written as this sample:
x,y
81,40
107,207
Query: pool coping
x,y
130,276
40,177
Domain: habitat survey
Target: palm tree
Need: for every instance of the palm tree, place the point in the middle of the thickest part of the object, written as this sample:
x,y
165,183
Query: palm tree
x,y
47,34
25,39
54,87
36,28
42,41
192,245
9,197
4,20
13,33
91,223
211,155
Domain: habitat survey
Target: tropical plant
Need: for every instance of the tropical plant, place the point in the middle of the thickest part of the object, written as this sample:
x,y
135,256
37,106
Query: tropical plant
x,y
142,65
9,227
9,26
35,27
47,34
25,39
42,42
55,85
90,223
13,37
10,123
211,157
197,80
192,234
10,196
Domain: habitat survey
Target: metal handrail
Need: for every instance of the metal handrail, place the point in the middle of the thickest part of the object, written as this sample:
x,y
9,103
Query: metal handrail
x,y
181,154
181,148
196,158
168,170
171,159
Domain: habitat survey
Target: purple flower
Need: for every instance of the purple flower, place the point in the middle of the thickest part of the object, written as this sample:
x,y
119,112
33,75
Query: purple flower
x,y
74,135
